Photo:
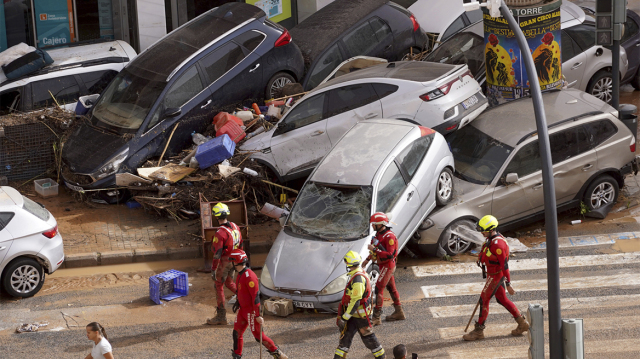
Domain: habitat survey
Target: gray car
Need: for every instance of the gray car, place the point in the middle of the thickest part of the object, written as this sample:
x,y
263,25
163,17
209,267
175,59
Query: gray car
x,y
498,167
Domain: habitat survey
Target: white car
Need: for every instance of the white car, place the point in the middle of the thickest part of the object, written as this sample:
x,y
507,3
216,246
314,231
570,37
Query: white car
x,y
385,166
439,96
442,18
30,244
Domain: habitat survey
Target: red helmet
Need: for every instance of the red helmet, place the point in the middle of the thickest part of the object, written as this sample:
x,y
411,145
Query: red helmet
x,y
379,218
238,256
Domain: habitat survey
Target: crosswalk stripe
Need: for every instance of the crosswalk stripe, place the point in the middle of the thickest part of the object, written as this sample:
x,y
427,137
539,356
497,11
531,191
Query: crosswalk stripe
x,y
529,264
587,303
460,289
520,351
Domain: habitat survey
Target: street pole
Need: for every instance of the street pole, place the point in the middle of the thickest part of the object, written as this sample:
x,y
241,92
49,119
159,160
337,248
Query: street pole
x,y
615,74
550,211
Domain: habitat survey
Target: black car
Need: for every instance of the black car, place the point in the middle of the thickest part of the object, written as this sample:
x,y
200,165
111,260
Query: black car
x,y
225,55
348,28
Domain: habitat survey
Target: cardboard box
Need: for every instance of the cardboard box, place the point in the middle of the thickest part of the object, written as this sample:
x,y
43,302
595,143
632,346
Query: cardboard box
x,y
278,306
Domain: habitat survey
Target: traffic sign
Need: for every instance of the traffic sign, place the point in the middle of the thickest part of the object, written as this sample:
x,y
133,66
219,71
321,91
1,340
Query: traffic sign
x,y
604,22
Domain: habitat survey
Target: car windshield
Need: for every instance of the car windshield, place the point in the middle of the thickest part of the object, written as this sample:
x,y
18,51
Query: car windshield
x,y
35,209
463,48
128,99
478,157
332,212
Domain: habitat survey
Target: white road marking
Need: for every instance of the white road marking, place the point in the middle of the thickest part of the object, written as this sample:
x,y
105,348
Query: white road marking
x,y
590,240
459,289
590,347
529,264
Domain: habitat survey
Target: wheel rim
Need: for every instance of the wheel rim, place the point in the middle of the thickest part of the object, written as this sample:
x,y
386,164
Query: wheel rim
x,y
25,279
602,195
603,89
455,243
444,185
278,84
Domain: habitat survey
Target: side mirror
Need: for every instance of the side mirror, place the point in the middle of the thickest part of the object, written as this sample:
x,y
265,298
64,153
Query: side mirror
x,y
172,112
511,178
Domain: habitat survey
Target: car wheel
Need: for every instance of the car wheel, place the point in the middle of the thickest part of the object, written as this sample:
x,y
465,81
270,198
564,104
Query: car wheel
x,y
444,187
374,275
23,278
601,86
601,192
451,240
276,83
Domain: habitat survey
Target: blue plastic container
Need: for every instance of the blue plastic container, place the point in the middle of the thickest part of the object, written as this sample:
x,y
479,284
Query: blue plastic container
x,y
85,103
215,151
176,281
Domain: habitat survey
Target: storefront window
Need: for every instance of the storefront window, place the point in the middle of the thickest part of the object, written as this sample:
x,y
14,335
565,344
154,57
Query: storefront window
x,y
15,23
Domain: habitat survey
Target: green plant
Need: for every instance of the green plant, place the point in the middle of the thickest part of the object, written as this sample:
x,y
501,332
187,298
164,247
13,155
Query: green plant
x,y
583,209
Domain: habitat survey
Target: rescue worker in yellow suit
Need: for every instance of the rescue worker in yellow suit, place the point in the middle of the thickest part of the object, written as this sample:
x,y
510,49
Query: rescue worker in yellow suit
x,y
354,310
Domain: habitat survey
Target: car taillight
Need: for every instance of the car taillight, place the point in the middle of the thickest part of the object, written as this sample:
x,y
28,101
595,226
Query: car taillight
x,y
425,131
453,127
284,39
416,25
632,145
444,89
51,233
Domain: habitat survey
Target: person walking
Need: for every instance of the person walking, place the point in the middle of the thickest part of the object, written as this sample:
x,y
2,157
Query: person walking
x,y
248,308
354,309
384,251
226,239
101,347
495,256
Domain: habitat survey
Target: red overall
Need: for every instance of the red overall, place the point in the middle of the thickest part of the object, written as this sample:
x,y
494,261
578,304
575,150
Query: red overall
x,y
385,255
495,255
226,239
249,300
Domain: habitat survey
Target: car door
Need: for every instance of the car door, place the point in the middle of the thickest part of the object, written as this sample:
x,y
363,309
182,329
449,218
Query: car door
x,y
349,105
421,173
399,197
385,47
364,40
631,42
327,62
11,100
300,140
573,61
6,239
65,90
600,131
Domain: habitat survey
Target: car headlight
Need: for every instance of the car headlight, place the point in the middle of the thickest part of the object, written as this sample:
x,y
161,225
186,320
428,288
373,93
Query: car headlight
x,y
113,165
265,278
336,285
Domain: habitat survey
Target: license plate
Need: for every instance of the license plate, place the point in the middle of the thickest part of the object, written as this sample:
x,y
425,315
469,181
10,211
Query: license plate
x,y
308,305
75,188
470,102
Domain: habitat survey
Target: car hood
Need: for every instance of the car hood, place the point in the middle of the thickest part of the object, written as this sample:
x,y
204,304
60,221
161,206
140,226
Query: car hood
x,y
88,148
299,263
258,142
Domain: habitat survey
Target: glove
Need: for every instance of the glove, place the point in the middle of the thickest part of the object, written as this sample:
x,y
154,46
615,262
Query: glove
x,y
236,306
340,323
213,275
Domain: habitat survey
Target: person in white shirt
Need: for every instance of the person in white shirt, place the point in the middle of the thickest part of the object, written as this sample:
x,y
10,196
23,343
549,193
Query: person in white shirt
x,y
101,347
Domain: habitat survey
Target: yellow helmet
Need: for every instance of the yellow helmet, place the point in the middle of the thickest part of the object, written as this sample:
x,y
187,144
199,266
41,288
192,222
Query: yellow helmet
x,y
221,209
487,223
352,259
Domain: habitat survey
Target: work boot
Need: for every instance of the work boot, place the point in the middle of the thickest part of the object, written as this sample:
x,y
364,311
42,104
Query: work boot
x,y
477,333
220,318
375,318
278,354
398,314
523,326
235,356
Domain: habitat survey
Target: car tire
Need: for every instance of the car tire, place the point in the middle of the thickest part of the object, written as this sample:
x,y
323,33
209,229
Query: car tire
x,y
276,83
373,268
23,277
601,192
444,187
454,244
601,86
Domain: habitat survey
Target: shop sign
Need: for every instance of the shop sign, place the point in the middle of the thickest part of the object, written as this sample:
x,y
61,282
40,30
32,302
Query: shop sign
x,y
276,10
54,22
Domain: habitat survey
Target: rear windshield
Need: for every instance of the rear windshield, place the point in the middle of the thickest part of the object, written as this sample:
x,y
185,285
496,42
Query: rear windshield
x,y
463,48
36,209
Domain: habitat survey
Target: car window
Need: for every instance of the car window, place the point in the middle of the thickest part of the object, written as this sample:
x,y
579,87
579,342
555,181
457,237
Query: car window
x,y
184,89
222,60
463,48
97,81
474,16
303,114
348,98
10,101
361,40
456,25
391,187
155,118
568,48
601,131
250,39
380,28
64,89
526,161
36,209
568,143
584,35
384,90
630,29
325,64
411,157
5,218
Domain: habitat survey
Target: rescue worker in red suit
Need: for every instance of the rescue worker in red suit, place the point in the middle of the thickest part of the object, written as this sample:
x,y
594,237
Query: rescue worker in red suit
x,y
495,256
354,310
384,251
248,308
226,239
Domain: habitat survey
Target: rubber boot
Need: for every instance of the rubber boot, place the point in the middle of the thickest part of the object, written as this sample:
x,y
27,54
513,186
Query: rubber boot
x,y
477,333
220,318
278,354
398,314
235,356
523,326
375,318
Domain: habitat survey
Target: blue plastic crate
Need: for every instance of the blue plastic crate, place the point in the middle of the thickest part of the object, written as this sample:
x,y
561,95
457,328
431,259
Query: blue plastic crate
x,y
178,285
215,151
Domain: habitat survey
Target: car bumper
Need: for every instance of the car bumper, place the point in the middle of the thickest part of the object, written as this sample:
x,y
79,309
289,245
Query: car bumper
x,y
107,182
328,303
53,253
463,116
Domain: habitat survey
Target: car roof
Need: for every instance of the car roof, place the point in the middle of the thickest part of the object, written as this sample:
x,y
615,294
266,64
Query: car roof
x,y
509,123
447,11
403,70
315,33
161,59
356,158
